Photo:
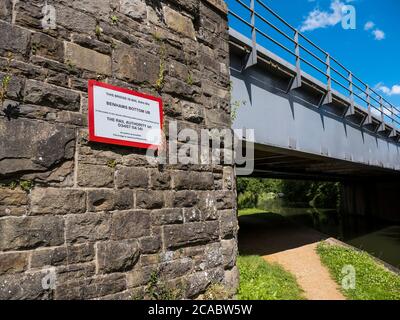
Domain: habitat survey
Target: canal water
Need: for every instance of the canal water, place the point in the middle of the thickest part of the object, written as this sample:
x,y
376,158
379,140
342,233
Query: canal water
x,y
378,237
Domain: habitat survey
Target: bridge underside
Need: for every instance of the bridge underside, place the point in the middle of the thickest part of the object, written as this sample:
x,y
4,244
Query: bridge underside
x,y
279,163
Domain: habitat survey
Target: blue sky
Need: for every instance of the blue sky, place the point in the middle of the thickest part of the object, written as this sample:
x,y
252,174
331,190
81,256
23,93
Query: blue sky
x,y
371,51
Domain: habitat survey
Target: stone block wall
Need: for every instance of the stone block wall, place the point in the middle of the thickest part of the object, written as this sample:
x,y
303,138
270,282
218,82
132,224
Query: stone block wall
x,y
81,220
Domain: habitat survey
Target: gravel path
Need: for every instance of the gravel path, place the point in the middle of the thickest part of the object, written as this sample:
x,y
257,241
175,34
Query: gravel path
x,y
293,247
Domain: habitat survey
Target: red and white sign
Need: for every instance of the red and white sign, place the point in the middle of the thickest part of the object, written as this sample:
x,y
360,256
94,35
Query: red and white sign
x,y
124,117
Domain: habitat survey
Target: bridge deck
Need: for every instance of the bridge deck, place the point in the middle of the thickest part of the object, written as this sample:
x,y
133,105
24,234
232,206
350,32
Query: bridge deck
x,y
314,140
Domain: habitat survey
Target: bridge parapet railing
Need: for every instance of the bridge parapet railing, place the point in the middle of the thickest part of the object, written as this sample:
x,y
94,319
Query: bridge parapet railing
x,y
258,22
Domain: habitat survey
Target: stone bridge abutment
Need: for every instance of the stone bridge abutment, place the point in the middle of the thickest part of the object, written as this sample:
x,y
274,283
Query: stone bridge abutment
x,y
83,220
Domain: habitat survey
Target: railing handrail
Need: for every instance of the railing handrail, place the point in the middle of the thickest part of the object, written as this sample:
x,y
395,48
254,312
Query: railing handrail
x,y
363,92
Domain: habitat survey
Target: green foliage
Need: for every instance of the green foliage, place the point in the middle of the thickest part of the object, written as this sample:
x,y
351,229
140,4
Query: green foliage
x,y
98,31
6,80
325,195
235,108
250,211
26,185
373,281
114,19
260,280
189,79
157,290
253,192
111,164
216,292
161,75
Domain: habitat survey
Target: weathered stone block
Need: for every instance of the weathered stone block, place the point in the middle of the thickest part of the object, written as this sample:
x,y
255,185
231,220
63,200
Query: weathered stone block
x,y
73,272
193,180
177,268
13,202
140,277
131,178
75,20
88,227
87,59
136,66
33,146
109,200
130,225
185,199
91,288
91,43
198,282
213,256
208,206
14,88
160,180
192,214
229,252
62,255
10,197
229,224
190,233
231,280
95,176
228,178
191,6
57,201
48,47
31,232
178,87
193,112
14,262
224,200
101,8
217,118
135,9
5,10
166,216
179,22
44,94
13,39
149,199
117,256
23,287
150,244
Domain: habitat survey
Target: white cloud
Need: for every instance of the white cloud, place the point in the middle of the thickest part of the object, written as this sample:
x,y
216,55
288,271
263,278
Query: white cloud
x,y
321,19
369,25
317,18
394,90
379,34
376,32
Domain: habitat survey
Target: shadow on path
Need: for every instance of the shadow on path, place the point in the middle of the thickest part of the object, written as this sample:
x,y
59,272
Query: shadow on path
x,y
268,233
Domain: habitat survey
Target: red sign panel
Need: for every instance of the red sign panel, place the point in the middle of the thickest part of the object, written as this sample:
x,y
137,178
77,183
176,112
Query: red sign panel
x,y
124,117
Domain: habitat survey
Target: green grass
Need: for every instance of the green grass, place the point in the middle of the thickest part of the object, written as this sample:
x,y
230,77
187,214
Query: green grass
x,y
373,281
248,212
260,280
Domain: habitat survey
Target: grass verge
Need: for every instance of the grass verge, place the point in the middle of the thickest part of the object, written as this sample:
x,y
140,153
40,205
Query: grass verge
x,y
373,281
260,280
248,212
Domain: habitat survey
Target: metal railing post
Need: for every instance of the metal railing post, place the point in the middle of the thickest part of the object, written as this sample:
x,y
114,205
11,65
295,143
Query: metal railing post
x,y
368,120
350,111
328,97
251,59
382,127
296,83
